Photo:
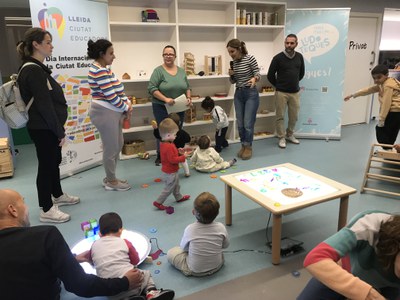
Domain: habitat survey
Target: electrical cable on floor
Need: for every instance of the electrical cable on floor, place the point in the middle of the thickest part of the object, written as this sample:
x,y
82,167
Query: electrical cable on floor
x,y
247,250
266,229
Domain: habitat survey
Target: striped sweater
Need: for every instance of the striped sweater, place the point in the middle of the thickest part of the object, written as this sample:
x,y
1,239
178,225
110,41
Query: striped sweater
x,y
245,68
106,87
347,262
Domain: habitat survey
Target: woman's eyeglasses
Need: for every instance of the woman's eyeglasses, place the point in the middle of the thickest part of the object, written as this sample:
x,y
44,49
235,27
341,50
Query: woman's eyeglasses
x,y
168,54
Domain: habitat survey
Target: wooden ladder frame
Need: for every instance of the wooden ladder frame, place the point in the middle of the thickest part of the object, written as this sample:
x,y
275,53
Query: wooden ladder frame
x,y
378,155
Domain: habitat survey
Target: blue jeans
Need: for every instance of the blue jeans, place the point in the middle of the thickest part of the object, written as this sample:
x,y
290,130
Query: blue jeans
x,y
160,113
246,102
315,290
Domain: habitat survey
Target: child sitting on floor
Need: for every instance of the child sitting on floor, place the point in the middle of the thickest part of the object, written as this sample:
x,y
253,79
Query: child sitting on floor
x,y
113,256
220,120
206,159
182,137
200,251
170,160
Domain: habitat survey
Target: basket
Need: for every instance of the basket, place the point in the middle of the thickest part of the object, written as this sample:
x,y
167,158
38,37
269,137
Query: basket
x,y
133,147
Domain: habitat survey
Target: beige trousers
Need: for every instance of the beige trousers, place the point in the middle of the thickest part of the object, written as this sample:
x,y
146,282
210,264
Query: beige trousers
x,y
178,258
292,102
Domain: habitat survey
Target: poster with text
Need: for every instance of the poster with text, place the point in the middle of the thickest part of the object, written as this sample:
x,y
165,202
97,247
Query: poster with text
x,y
72,23
322,40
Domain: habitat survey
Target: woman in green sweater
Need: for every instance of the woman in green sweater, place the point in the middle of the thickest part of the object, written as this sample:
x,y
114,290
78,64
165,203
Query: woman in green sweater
x,y
167,82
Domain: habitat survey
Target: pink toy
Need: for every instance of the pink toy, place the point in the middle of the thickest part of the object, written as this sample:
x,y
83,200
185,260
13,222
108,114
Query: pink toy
x,y
169,210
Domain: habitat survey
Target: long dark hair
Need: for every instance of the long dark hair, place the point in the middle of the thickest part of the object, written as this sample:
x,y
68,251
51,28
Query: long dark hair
x,y
25,47
238,44
98,48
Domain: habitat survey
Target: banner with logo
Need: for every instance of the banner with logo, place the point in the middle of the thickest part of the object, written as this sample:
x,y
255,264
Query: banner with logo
x,y
322,40
72,23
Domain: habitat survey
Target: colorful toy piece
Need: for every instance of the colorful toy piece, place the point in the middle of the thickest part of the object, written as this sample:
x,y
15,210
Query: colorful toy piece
x,y
91,229
157,180
150,15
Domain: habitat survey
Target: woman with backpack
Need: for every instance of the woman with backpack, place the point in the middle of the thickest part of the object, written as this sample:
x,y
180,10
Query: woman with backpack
x,y
47,116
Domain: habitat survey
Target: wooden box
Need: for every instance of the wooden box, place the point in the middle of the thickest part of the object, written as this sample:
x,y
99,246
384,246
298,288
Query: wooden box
x,y
6,162
133,147
190,114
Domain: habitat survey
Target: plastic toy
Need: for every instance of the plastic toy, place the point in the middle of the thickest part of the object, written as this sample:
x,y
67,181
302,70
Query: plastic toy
x,y
144,155
91,229
169,210
150,15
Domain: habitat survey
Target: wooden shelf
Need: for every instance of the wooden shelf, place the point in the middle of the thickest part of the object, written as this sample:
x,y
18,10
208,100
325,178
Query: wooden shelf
x,y
203,28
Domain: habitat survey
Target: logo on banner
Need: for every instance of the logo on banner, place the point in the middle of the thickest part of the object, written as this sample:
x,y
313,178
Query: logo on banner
x,y
317,39
52,19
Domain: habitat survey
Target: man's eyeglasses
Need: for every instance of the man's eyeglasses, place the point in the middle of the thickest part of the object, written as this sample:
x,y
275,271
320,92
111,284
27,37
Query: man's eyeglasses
x,y
168,54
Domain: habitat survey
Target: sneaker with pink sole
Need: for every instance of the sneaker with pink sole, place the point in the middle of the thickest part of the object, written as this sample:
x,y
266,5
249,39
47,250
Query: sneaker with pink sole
x,y
160,294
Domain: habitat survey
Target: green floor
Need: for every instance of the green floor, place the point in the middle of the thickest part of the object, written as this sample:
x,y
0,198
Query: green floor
x,y
343,161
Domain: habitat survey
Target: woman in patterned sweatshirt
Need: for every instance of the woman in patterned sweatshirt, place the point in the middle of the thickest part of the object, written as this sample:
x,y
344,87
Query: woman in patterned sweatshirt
x,y
360,262
109,107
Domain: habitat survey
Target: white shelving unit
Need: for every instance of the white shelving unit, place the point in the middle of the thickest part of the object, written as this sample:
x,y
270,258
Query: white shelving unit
x,y
201,27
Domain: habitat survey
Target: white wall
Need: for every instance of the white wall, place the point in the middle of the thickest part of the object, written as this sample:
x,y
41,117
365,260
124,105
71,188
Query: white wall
x,y
390,38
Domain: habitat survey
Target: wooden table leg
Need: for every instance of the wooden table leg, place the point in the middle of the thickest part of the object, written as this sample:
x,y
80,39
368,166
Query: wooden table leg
x,y
276,239
343,208
228,205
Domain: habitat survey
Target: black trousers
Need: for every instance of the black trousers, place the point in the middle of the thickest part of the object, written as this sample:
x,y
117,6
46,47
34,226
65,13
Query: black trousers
x,y
388,133
48,153
220,139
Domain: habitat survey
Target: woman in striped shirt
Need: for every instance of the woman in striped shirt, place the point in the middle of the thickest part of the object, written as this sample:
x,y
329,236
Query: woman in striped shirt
x,y
110,106
245,73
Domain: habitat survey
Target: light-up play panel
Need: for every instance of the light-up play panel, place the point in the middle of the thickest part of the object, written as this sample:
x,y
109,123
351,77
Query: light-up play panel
x,y
138,240
264,186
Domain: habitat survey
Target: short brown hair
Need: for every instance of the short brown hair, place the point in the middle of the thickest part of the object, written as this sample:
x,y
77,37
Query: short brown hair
x,y
204,142
175,117
110,223
167,126
388,245
206,208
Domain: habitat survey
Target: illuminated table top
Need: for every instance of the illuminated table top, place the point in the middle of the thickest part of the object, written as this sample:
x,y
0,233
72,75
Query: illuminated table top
x,y
264,186
138,240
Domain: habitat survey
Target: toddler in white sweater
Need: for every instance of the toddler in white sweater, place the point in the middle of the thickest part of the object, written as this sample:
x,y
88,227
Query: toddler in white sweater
x,y
206,159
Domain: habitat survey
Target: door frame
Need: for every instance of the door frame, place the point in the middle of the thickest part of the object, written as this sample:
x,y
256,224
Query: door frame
x,y
373,105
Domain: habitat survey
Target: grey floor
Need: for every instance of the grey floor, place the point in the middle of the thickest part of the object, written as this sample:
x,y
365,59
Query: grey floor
x,y
342,160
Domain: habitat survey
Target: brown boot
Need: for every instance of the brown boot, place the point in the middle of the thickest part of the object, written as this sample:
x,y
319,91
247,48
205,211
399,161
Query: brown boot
x,y
247,153
240,153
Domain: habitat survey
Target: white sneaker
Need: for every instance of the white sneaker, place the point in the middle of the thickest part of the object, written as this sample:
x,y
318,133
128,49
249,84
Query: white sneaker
x,y
282,143
65,199
54,215
292,139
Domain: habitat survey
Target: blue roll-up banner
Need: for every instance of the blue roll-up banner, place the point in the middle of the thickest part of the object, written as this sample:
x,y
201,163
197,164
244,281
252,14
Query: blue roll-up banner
x,y
322,39
72,23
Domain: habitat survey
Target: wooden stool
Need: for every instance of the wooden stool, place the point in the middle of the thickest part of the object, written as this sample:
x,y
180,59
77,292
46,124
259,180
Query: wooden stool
x,y
377,160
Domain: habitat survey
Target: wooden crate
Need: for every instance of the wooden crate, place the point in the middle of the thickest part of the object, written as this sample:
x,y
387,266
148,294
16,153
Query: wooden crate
x,y
6,162
133,147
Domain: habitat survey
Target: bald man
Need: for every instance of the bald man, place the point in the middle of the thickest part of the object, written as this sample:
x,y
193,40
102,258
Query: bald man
x,y
33,260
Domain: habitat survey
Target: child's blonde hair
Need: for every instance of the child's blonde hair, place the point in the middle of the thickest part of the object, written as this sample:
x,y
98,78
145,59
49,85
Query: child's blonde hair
x,y
167,127
206,208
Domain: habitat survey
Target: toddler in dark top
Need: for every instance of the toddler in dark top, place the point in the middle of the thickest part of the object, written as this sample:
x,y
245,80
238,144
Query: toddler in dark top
x,y
182,137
